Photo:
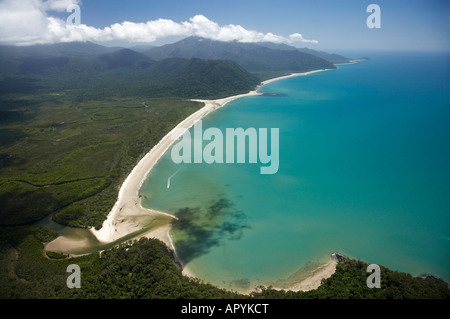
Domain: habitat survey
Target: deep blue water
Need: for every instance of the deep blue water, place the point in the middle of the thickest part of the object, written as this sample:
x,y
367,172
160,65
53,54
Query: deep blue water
x,y
364,170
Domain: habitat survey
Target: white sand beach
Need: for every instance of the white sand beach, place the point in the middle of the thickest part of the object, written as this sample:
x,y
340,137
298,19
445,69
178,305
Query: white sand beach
x,y
127,215
121,220
314,279
63,244
290,76
309,281
124,217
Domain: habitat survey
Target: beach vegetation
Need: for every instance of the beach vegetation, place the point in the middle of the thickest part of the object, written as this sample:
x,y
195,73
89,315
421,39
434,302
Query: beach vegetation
x,y
69,158
146,269
72,128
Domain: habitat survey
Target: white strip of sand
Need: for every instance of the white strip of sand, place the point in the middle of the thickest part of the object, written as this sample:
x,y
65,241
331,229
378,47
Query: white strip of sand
x,y
63,244
314,279
126,213
290,76
121,220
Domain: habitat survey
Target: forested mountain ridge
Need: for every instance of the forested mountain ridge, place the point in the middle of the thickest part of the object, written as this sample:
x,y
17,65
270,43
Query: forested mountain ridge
x,y
251,56
123,73
75,119
95,71
38,82
330,57
67,49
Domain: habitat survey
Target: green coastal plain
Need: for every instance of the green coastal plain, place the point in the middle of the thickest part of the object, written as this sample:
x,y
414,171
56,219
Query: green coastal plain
x,y
74,121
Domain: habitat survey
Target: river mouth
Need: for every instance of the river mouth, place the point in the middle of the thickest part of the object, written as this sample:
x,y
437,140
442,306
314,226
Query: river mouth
x,y
80,241
365,177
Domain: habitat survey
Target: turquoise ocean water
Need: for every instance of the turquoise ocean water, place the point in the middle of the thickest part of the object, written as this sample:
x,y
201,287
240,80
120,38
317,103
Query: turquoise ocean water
x,y
364,170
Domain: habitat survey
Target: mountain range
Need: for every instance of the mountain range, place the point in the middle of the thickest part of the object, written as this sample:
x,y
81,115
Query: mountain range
x,y
193,67
254,57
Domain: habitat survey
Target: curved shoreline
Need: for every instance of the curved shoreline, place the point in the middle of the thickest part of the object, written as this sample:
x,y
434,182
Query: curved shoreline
x,y
127,214
128,204
121,220
313,279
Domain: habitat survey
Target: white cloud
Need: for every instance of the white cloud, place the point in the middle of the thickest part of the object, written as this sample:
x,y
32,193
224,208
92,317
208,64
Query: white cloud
x,y
28,22
58,5
299,37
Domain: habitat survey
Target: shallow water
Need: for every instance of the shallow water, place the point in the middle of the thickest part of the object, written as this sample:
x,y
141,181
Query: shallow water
x,y
364,170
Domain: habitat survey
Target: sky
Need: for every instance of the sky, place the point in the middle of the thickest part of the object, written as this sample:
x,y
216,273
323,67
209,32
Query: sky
x,y
338,25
